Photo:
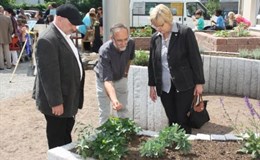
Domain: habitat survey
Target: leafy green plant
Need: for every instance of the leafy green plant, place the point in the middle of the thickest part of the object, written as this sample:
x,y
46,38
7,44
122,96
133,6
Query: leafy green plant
x,y
107,142
221,33
142,32
253,54
172,136
141,58
251,145
241,31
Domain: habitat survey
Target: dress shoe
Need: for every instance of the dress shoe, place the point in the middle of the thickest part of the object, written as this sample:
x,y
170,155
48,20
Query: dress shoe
x,y
1,68
9,67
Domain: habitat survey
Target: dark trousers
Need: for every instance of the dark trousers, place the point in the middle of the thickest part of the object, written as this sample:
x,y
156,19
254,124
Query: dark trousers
x,y
176,105
58,130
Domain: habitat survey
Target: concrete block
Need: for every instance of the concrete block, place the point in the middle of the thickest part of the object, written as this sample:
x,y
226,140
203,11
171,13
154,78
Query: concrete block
x,y
160,119
130,99
226,75
258,88
140,96
232,137
254,79
247,77
217,137
63,153
212,74
240,76
192,137
149,133
203,137
233,77
151,114
219,75
206,68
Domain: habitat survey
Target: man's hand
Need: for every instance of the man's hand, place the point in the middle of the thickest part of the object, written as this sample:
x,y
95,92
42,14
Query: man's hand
x,y
116,105
58,110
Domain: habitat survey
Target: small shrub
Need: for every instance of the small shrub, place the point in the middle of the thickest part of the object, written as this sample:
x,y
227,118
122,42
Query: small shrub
x,y
142,32
254,54
108,141
222,33
141,58
172,136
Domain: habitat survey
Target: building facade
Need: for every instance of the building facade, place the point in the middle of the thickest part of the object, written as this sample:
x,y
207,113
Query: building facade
x,y
30,1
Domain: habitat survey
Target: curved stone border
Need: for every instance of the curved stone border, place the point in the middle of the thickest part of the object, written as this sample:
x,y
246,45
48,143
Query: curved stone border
x,y
223,75
232,76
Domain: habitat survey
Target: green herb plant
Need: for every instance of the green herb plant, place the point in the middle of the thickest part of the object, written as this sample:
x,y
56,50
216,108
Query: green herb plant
x,y
107,142
141,58
173,136
251,145
142,32
252,54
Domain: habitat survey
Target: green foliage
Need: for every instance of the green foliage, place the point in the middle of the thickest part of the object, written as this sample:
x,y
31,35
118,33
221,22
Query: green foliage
x,y
251,145
108,141
238,31
142,32
221,33
253,54
141,58
212,5
172,136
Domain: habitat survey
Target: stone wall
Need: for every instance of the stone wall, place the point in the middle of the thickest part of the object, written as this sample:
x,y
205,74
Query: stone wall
x,y
223,76
142,43
208,42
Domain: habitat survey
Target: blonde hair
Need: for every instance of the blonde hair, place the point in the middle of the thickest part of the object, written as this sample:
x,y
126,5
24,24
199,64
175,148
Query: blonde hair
x,y
231,18
161,14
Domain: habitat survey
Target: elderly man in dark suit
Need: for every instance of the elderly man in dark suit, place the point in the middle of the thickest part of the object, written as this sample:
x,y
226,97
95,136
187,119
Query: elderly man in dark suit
x,y
59,82
6,31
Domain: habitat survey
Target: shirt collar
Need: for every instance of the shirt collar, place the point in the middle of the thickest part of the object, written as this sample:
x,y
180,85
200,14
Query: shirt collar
x,y
174,29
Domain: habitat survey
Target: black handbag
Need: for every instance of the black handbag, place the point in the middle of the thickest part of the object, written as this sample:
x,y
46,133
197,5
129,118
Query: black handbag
x,y
198,114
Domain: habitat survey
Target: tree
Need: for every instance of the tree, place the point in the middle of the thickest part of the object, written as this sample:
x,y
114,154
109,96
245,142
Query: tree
x,y
212,5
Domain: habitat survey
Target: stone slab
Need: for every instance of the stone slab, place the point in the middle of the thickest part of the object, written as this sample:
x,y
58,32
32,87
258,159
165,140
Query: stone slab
x,y
201,136
217,137
232,137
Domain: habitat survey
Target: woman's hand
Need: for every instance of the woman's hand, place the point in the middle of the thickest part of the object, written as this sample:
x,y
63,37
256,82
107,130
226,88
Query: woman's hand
x,y
198,89
153,94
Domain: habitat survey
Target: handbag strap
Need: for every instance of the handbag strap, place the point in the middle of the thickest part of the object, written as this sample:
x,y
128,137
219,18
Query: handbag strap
x,y
195,98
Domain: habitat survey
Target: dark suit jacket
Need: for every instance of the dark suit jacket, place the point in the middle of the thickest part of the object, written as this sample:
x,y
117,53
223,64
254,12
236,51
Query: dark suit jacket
x,y
58,75
184,60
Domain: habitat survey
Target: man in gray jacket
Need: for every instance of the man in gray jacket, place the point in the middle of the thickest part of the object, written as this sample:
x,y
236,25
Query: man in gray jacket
x,y
59,82
6,31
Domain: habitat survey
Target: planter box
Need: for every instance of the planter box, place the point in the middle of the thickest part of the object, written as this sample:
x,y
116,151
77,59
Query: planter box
x,y
64,153
208,42
142,43
223,76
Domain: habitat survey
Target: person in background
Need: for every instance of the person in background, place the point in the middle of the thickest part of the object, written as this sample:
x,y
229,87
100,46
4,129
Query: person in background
x,y
10,13
6,31
59,83
175,70
219,23
240,19
198,20
100,19
39,17
231,21
86,29
111,72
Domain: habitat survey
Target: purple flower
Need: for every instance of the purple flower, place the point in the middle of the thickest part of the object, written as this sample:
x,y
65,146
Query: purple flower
x,y
251,108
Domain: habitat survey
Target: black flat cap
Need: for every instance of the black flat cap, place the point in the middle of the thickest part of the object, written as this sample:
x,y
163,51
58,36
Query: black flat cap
x,y
71,12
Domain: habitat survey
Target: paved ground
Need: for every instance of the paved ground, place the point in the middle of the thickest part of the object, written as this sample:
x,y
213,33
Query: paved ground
x,y
20,82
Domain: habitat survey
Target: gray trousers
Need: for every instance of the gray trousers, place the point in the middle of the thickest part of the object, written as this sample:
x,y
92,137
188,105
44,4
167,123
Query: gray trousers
x,y
104,105
5,54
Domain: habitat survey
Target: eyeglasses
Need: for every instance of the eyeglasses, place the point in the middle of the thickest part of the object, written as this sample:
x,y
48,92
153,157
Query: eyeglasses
x,y
157,27
121,40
